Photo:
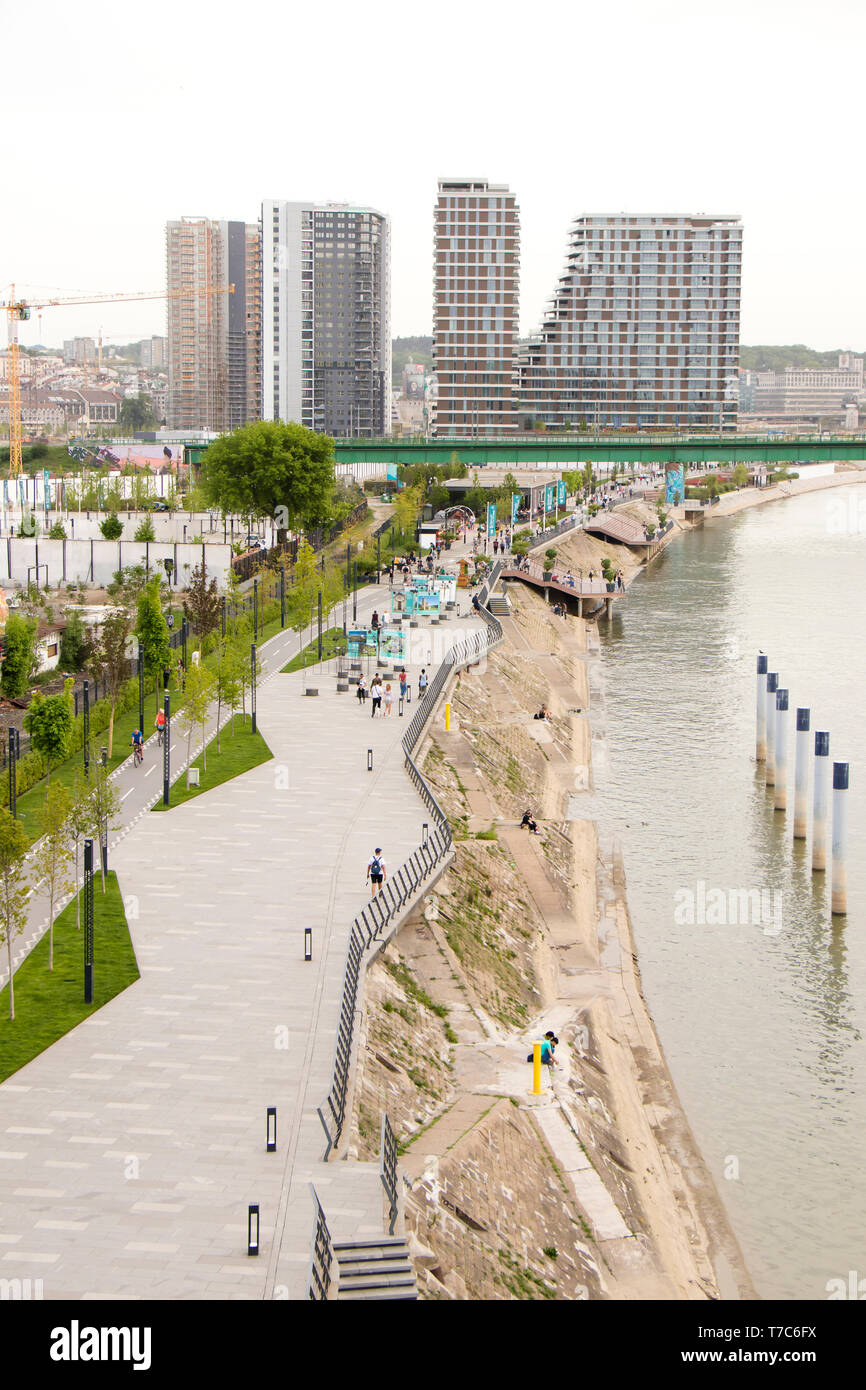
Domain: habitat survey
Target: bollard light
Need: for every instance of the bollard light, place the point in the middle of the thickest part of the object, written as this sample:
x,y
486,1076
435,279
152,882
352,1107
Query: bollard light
x,y
308,943
253,1229
271,1130
425,833
400,705
369,760
408,694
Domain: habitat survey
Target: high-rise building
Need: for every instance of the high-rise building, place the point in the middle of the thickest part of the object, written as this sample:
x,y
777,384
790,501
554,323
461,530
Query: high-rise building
x,y
643,328
79,349
475,308
214,340
326,317
152,352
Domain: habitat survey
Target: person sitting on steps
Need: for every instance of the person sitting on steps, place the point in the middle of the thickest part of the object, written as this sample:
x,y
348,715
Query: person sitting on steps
x,y
529,822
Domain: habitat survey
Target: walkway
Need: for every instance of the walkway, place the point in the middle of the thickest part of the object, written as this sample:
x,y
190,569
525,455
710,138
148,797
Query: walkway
x,y
130,1150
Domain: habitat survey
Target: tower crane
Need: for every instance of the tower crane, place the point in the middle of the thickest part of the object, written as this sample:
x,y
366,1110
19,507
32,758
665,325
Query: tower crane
x,y
19,310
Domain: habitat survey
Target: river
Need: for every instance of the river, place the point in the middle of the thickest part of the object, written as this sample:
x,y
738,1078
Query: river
x,y
763,1024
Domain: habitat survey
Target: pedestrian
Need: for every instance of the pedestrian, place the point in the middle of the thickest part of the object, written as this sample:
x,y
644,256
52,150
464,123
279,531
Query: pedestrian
x,y
362,690
376,872
403,683
374,621
495,547
422,683
389,699
376,695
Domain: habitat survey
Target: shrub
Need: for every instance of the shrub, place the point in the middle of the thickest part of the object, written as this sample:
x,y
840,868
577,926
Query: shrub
x,y
111,528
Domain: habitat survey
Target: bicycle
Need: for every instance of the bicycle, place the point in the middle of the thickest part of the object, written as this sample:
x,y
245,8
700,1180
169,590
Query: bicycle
x,y
137,754
160,730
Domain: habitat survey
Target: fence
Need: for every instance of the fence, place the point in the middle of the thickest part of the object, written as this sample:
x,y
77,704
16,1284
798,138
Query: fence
x,y
388,1171
387,907
322,1255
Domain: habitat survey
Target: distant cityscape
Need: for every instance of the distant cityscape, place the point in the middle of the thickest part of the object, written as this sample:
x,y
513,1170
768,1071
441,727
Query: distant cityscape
x,y
289,317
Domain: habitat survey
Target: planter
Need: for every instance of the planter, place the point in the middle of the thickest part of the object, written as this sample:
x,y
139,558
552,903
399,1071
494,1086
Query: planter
x,y
611,587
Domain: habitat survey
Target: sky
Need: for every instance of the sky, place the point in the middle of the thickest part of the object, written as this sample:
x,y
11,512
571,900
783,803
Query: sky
x,y
119,118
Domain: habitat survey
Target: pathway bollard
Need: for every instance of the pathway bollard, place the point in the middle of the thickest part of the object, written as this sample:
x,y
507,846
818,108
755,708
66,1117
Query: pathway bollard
x,y
761,712
308,943
770,706
447,717
271,1130
253,1229
839,889
369,760
780,800
537,1089
801,774
819,802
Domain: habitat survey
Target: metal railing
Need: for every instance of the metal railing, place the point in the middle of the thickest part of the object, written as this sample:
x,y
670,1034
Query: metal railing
x,y
388,1171
387,906
321,1255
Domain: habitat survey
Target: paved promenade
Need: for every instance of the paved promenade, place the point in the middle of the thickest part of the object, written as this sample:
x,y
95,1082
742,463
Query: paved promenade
x,y
130,1150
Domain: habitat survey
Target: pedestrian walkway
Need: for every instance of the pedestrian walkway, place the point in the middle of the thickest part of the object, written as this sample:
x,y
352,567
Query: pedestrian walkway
x,y
131,1149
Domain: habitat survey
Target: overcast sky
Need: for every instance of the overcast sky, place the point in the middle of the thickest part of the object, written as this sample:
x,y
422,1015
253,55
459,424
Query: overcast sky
x,y
119,117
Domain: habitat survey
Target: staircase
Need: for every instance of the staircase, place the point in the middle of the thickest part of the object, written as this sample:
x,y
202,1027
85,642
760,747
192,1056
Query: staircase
x,y
499,606
375,1269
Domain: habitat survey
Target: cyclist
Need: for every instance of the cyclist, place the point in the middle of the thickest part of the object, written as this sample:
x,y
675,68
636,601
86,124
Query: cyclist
x,y
137,747
159,725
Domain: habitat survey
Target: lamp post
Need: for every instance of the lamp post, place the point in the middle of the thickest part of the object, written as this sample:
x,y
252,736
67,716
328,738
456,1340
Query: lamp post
x,y
355,592
86,722
282,595
320,624
141,687
253,683
88,921
166,750
13,779
256,609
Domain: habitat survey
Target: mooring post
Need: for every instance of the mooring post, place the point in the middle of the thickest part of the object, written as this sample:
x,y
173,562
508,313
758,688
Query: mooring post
x,y
770,706
780,800
801,774
839,890
819,802
761,712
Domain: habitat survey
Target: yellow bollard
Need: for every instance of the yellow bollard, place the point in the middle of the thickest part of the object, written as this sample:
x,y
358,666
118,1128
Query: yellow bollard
x,y
447,718
537,1089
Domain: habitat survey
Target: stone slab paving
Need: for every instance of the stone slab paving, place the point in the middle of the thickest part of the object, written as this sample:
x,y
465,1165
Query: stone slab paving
x,y
130,1150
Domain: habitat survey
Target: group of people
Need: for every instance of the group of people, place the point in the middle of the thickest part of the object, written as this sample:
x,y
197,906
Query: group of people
x,y
137,739
548,1048
381,693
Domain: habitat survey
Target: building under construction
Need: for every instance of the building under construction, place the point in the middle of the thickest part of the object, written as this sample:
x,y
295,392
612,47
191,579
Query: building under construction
x,y
214,339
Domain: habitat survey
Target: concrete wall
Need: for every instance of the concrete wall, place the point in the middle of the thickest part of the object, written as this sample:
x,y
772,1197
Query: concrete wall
x,y
181,526
97,561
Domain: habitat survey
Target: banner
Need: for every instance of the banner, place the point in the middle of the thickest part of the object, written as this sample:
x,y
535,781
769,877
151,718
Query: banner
x,y
516,499
561,493
675,488
549,497
491,518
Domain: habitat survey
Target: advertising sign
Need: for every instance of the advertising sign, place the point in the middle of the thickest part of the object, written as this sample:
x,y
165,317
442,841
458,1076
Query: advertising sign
x,y
516,498
356,639
392,643
491,518
675,488
549,497
561,493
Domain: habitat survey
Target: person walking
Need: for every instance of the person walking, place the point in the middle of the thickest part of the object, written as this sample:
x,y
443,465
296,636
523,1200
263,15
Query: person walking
x,y
376,695
374,621
389,700
403,683
362,690
376,872
422,683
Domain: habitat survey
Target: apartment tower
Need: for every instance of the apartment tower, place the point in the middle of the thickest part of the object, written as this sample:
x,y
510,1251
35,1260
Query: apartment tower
x,y
213,339
643,328
475,308
326,316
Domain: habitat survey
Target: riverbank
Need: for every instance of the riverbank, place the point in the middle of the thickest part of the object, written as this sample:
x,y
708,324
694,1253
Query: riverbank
x,y
595,1189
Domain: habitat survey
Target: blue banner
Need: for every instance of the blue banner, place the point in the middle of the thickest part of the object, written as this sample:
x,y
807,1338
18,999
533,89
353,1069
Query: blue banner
x,y
491,518
675,488
549,497
516,499
561,493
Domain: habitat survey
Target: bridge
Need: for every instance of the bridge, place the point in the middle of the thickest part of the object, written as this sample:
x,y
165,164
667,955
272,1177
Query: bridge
x,y
563,584
565,451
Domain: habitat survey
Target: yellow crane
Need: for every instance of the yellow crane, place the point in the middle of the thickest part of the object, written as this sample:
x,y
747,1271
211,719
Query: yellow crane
x,y
19,310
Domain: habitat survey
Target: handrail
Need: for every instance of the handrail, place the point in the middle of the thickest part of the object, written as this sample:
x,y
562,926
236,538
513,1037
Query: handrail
x,y
388,1171
382,912
321,1255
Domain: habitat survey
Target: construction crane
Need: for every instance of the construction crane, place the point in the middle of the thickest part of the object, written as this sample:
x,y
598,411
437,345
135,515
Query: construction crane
x,y
19,310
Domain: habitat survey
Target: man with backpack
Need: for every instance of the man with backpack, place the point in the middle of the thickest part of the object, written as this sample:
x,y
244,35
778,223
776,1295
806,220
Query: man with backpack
x,y
376,872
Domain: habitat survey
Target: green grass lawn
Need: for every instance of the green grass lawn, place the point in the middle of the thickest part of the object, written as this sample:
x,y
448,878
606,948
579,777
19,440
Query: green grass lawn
x,y
49,1003
241,750
333,644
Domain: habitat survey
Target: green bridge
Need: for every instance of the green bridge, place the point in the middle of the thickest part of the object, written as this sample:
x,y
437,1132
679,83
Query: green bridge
x,y
564,451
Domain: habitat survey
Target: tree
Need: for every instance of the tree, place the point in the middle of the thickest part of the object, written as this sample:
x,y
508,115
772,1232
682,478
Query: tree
x,y
14,891
52,860
228,680
740,475
111,528
197,698
78,827
57,532
244,671
137,413
202,603
99,807
145,531
74,643
20,639
152,632
110,660
272,469
49,724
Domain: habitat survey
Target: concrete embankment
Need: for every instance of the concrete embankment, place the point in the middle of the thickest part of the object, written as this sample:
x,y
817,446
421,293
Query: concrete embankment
x,y
595,1189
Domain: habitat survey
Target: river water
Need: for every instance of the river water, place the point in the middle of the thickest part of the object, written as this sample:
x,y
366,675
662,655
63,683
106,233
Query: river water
x,y
763,1023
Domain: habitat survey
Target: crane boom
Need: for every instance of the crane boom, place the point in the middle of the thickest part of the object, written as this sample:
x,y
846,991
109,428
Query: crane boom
x,y
19,309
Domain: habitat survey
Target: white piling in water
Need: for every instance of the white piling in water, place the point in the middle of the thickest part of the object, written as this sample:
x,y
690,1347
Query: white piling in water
x,y
780,800
839,890
801,774
770,707
819,803
761,712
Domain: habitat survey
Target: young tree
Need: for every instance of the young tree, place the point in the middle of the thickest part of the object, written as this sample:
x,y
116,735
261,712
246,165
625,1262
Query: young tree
x,y
14,891
49,724
741,475
57,532
77,830
53,855
99,808
242,648
74,643
110,660
228,680
20,639
202,603
152,632
198,695
145,531
111,528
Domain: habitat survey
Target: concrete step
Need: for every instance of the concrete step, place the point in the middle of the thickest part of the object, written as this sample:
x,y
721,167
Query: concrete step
x,y
355,1295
